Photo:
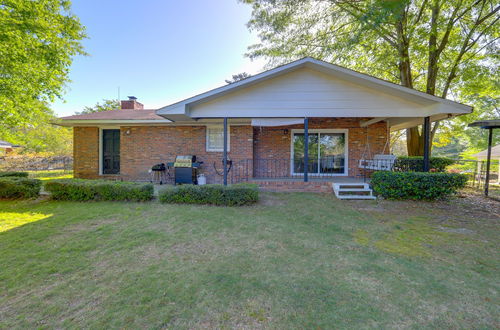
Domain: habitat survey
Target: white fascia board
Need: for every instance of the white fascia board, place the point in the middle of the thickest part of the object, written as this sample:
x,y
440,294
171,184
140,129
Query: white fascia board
x,y
118,123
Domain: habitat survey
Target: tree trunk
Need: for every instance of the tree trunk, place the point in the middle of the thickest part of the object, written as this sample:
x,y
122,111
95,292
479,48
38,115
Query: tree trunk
x,y
414,142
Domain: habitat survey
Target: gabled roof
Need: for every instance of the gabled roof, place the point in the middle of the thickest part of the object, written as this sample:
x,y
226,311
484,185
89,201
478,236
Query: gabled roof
x,y
495,153
6,145
180,110
125,114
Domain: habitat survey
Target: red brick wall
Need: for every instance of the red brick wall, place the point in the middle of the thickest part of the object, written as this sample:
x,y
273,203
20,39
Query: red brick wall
x,y
272,145
146,146
149,145
86,152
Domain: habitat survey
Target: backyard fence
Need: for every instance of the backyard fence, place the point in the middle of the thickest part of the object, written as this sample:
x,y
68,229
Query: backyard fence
x,y
30,163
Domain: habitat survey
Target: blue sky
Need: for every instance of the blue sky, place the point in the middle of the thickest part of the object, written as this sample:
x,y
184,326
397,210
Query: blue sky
x,y
160,51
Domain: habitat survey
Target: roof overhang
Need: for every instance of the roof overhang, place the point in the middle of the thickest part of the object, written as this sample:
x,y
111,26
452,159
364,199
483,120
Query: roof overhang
x,y
486,124
119,122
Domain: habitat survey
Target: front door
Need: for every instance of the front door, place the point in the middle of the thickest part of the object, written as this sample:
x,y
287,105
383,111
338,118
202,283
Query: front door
x,y
327,152
110,151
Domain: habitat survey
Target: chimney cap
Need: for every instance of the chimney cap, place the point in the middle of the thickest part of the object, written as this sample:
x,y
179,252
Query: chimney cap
x,y
132,98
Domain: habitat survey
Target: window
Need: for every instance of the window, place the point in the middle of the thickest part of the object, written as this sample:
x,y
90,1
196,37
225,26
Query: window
x,y
327,152
215,138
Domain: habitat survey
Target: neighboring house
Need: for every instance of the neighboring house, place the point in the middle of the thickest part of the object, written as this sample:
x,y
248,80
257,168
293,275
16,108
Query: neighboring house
x,y
495,156
349,116
7,147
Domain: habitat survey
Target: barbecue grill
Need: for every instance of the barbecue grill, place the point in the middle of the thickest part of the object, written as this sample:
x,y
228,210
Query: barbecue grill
x,y
185,169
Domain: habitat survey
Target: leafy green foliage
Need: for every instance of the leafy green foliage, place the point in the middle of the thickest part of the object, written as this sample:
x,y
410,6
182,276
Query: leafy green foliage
x,y
417,185
38,41
233,195
416,163
434,46
106,105
19,187
40,136
98,190
14,174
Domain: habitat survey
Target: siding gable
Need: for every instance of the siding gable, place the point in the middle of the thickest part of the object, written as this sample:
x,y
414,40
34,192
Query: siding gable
x,y
317,93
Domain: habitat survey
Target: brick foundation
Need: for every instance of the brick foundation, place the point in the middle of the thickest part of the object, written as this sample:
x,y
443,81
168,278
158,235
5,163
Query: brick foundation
x,y
294,186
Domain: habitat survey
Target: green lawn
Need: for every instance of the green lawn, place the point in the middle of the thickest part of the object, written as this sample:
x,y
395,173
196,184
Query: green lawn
x,y
51,174
293,261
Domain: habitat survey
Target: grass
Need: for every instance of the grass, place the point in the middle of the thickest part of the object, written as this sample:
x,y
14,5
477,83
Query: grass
x,y
293,261
51,174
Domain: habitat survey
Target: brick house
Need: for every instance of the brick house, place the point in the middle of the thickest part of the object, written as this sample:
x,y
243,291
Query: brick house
x,y
347,116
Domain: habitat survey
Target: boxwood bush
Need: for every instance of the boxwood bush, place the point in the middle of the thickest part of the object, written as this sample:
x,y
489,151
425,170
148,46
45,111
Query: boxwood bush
x,y
416,163
14,174
214,194
98,190
416,185
18,187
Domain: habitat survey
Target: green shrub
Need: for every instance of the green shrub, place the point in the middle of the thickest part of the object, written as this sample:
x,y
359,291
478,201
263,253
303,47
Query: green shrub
x,y
416,163
98,190
417,185
17,187
14,174
214,194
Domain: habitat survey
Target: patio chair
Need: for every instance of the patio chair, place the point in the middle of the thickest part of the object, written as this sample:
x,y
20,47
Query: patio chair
x,y
378,163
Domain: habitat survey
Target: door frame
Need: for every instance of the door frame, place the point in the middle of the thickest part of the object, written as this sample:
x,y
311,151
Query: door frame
x,y
345,131
101,148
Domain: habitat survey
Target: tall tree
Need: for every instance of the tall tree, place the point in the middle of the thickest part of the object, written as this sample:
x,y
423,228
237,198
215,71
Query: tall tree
x,y
41,136
38,40
106,105
421,44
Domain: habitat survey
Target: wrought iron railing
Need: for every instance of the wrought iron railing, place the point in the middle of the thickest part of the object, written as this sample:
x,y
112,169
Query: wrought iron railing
x,y
247,169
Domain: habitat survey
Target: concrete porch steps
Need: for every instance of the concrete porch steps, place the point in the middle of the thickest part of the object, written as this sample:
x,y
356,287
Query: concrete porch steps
x,y
353,191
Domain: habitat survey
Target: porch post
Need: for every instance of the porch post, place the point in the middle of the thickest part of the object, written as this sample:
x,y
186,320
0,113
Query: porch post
x,y
488,163
427,138
224,155
306,149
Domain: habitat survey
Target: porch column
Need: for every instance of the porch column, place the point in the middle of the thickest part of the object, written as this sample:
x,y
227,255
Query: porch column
x,y
224,154
488,163
306,149
427,138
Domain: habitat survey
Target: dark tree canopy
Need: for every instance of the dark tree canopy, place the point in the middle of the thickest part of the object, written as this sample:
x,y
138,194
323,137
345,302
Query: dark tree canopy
x,y
237,77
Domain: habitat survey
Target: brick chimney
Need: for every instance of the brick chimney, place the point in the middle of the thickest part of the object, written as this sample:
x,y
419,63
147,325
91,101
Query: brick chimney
x,y
131,104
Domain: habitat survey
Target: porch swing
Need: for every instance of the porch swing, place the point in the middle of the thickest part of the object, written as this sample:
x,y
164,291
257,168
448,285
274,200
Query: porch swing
x,y
379,162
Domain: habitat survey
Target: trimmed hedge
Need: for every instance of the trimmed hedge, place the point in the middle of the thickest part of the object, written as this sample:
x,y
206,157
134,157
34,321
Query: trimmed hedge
x,y
17,187
416,163
98,190
14,174
213,194
417,185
